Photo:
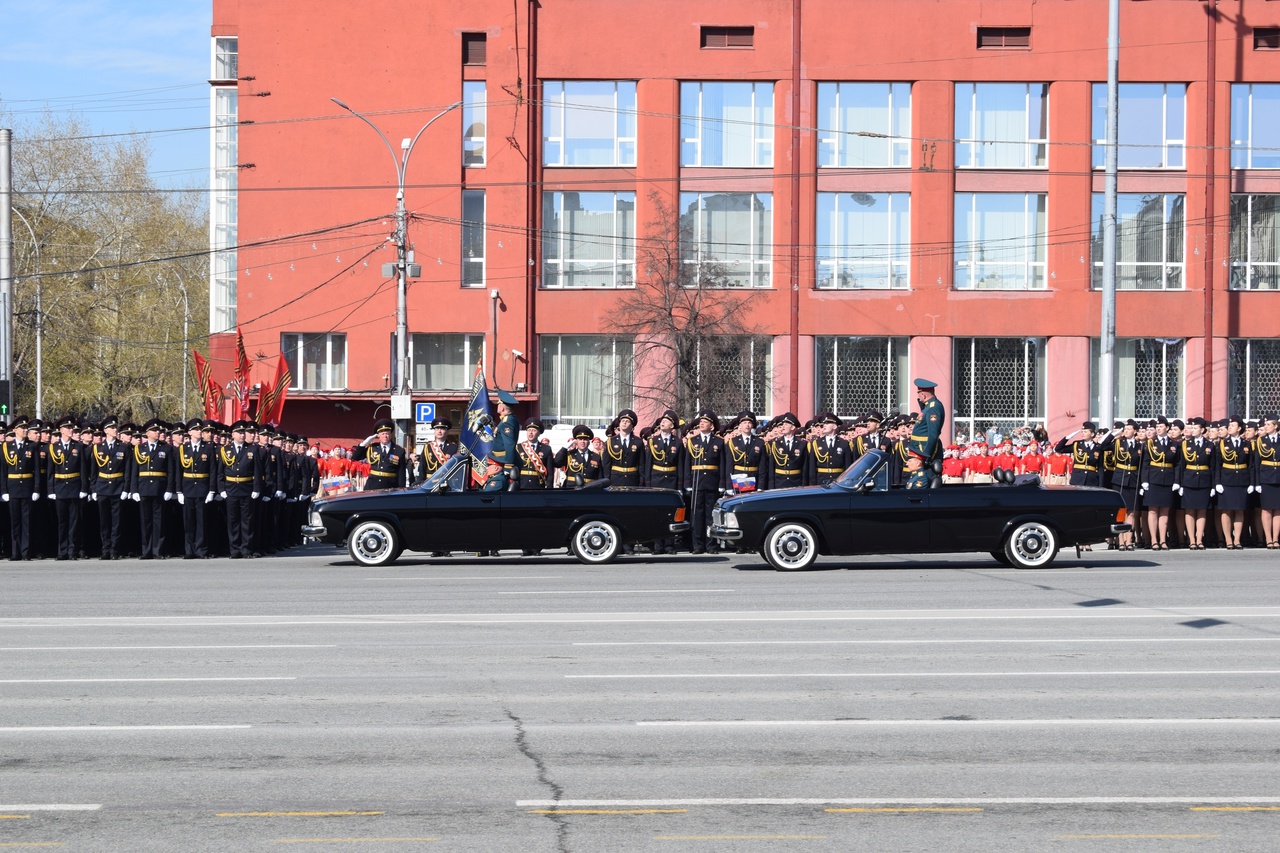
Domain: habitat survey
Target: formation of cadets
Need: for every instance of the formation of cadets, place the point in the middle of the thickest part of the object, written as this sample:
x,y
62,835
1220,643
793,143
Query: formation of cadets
x,y
1192,484
73,490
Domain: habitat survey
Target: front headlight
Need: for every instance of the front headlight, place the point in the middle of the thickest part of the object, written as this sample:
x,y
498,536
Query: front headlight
x,y
729,520
315,519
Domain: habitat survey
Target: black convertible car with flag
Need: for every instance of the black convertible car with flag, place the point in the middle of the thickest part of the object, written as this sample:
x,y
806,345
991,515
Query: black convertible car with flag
x,y
1018,521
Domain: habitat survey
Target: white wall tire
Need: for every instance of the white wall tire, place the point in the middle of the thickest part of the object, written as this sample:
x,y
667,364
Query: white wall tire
x,y
791,547
373,543
596,543
1031,545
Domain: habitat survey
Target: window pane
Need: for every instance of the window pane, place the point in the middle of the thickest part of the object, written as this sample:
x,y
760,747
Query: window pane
x,y
473,238
726,124
473,123
864,240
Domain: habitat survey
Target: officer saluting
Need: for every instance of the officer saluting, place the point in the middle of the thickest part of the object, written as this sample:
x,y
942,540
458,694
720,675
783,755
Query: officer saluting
x,y
924,444
388,463
784,460
437,451
581,464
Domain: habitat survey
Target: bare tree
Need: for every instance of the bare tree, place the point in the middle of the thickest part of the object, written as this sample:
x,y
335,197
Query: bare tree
x,y
117,269
694,343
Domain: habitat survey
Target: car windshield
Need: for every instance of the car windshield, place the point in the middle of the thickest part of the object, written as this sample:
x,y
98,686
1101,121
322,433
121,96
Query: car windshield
x,y
858,473
451,473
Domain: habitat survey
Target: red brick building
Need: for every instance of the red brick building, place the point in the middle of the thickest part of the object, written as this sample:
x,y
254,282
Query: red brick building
x,y
906,188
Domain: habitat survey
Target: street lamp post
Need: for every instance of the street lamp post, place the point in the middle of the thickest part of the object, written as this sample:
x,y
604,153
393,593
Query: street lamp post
x,y
401,237
39,320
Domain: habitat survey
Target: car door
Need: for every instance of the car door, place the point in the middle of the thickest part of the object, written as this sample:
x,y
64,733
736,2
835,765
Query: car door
x,y
969,517
463,520
538,518
888,520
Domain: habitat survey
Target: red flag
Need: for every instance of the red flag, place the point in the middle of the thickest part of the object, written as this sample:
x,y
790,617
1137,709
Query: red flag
x,y
241,383
271,410
204,380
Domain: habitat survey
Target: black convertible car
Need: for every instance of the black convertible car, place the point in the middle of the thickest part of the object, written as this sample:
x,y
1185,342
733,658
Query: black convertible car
x,y
1020,523
442,514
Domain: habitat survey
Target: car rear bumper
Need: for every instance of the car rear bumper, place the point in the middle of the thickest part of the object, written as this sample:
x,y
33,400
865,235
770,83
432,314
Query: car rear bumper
x,y
679,527
731,533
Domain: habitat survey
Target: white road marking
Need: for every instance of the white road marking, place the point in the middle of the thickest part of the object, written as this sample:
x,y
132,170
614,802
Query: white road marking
x,y
606,591
991,641
1121,721
53,807
1127,673
486,578
1116,612
879,801
27,729
155,648
1075,571
139,680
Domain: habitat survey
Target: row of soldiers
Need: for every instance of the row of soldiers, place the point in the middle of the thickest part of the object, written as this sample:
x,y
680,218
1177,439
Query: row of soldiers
x,y
74,489
1174,474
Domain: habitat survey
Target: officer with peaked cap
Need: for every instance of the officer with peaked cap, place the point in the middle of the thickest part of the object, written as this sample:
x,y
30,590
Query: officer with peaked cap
x,y
388,461
662,459
240,485
20,486
581,464
623,453
925,442
704,478
193,474
438,450
502,452
745,455
1086,453
534,460
784,457
67,485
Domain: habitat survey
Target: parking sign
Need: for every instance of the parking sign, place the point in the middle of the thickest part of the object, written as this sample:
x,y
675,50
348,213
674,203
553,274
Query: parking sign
x,y
424,413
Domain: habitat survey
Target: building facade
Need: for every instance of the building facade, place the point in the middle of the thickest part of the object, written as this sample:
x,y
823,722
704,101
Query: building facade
x,y
881,198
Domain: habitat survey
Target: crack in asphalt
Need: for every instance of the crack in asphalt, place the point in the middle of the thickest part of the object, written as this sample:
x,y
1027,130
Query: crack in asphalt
x,y
544,778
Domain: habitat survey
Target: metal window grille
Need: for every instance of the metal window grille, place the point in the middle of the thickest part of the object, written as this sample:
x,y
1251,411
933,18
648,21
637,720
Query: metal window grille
x,y
1254,377
1149,380
733,373
1150,242
999,384
855,375
1255,242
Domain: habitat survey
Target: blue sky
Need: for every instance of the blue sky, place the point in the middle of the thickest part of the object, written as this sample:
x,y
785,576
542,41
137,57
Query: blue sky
x,y
122,65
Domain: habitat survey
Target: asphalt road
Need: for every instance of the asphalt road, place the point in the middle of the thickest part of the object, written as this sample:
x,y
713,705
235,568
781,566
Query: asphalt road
x,y
1122,701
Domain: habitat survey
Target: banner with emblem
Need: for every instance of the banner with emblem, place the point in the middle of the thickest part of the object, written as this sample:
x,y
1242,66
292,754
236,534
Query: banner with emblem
x,y
271,398
477,430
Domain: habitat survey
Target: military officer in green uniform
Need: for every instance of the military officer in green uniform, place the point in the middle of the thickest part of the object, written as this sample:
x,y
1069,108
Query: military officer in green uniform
x,y
502,452
925,442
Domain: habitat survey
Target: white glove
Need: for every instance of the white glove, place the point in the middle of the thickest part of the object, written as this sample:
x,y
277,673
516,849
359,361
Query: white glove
x,y
137,497
36,496
168,496
1218,489
93,497
83,495
223,496
1145,487
266,498
1177,488
52,496
728,492
254,496
1141,492
1249,490
209,497
182,499
5,496
279,495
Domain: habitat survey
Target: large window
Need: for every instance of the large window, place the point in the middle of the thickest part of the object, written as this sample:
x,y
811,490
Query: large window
x,y
444,362
1149,376
1000,241
999,383
1255,126
731,373
1002,125
1150,246
727,238
1255,242
317,362
1153,125
473,238
589,239
1254,377
864,125
584,378
726,124
226,58
224,182
589,123
856,374
474,111
864,240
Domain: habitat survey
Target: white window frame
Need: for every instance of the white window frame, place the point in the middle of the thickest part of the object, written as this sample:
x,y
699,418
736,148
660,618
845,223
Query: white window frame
x,y
224,178
1242,398
615,379
556,243
475,110
886,144
1247,151
226,58
557,109
1247,273
1126,391
471,261
1029,249
835,257
1172,145
697,127
695,251
472,352
974,149
1033,411
333,371
1170,268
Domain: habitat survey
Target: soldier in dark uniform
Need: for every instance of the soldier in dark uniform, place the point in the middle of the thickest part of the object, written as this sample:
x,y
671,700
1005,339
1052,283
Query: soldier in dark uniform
x,y
662,461
216,434
1266,478
784,456
502,452
90,543
67,486
263,511
310,486
704,478
20,486
44,522
1126,464
1159,459
149,483
872,438
239,478
535,460
1086,454
109,467
623,454
1233,476
1194,481
745,455
388,462
437,451
130,525
828,454
581,464
195,460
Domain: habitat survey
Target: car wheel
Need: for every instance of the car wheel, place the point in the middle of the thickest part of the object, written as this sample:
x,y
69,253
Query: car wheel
x,y
1031,545
596,543
373,543
791,547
